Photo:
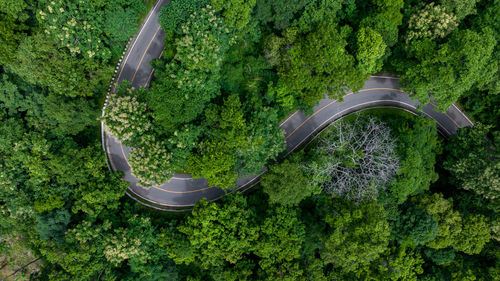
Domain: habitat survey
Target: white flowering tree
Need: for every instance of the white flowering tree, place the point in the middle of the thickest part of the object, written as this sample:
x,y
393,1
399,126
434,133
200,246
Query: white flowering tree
x,y
130,121
151,162
432,21
77,25
125,117
354,159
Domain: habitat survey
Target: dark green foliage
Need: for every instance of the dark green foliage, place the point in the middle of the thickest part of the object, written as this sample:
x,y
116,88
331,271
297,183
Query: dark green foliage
x,y
448,70
358,235
219,233
176,12
287,184
319,64
217,100
472,159
415,226
281,12
417,146
187,83
282,235
53,225
440,257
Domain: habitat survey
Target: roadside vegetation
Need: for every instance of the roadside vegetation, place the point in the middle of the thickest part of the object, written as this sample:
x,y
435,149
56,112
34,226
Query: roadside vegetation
x,y
376,196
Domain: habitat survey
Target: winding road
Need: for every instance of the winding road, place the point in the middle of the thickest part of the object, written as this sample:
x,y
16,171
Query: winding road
x,y
182,191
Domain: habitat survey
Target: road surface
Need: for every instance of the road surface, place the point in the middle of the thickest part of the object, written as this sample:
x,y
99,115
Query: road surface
x,y
182,192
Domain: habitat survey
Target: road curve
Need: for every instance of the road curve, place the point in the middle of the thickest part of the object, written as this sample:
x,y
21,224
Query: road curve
x,y
182,192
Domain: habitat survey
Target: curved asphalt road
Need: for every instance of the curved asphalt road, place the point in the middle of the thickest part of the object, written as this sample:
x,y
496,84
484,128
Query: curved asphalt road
x,y
182,192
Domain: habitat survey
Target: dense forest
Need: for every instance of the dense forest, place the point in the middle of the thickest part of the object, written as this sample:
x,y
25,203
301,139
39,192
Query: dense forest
x,y
378,195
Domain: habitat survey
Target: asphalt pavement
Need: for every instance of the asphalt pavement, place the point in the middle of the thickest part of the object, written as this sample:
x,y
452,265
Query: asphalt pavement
x,y
182,192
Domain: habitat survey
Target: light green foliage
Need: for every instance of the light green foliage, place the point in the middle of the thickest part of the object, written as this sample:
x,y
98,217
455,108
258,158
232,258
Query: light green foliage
x,y
234,146
432,21
92,246
287,184
449,221
450,69
472,160
38,61
130,243
384,17
474,235
190,80
13,8
359,234
102,192
370,49
320,65
273,49
236,12
220,232
216,163
279,246
395,264
417,145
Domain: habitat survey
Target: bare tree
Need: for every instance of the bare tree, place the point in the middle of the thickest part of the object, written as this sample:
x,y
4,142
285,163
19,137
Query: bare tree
x,y
355,159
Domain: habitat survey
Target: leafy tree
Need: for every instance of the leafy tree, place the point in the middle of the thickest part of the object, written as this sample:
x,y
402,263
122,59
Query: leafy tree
x,y
39,61
319,64
216,163
53,225
432,21
440,257
279,245
417,145
10,37
317,11
220,232
71,116
461,9
14,8
281,13
174,13
126,117
395,264
287,184
415,226
447,70
358,235
474,235
383,17
188,82
471,159
151,163
236,12
370,49
264,142
449,221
